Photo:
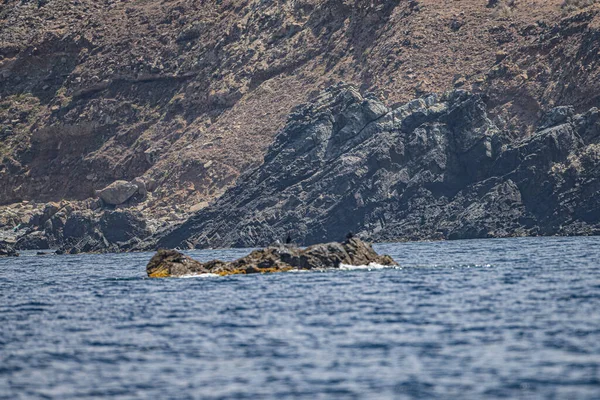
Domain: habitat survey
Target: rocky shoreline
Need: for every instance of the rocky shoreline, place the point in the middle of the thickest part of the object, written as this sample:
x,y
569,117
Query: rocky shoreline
x,y
7,250
71,228
112,221
165,123
276,258
435,168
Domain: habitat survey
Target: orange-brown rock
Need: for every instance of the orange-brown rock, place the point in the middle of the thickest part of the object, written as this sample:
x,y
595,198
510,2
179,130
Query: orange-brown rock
x,y
279,258
167,263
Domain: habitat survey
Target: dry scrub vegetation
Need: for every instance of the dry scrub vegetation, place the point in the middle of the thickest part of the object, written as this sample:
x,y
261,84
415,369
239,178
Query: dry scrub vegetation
x,y
573,5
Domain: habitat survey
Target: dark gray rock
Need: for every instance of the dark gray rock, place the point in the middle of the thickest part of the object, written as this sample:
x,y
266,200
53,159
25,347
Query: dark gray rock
x,y
7,250
434,168
35,240
86,231
122,226
281,258
110,231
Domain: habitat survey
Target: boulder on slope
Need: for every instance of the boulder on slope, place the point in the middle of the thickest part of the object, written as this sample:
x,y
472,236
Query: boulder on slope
x,y
118,192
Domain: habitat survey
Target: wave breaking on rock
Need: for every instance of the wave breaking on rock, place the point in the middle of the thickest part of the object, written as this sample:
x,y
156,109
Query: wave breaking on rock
x,y
278,258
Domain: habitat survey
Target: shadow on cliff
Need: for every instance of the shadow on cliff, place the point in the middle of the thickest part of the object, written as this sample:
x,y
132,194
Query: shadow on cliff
x,y
361,23
40,69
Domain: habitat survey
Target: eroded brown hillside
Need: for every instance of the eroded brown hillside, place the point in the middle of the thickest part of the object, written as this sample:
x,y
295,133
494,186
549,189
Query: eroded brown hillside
x,y
189,94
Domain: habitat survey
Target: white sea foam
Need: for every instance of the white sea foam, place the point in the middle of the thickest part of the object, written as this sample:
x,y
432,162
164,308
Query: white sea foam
x,y
343,267
370,267
199,276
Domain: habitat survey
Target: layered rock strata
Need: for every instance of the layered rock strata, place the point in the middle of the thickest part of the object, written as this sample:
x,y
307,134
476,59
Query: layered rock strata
x,y
435,168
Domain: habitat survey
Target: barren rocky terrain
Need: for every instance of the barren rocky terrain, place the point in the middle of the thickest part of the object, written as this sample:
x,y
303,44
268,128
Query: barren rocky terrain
x,y
186,96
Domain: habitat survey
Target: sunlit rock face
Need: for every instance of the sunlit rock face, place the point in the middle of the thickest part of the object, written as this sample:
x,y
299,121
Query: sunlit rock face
x,y
434,168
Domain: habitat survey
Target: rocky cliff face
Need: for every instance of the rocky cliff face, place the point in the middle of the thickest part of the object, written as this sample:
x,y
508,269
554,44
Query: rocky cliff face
x,y
436,167
559,67
188,95
69,228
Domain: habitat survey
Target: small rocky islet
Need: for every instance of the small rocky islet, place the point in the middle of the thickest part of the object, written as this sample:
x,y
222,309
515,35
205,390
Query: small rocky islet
x,y
275,258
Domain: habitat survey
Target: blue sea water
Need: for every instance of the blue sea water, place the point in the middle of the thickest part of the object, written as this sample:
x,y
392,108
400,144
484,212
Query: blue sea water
x,y
479,319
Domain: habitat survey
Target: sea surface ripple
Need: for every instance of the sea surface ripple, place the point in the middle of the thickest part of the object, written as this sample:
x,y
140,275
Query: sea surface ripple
x,y
477,319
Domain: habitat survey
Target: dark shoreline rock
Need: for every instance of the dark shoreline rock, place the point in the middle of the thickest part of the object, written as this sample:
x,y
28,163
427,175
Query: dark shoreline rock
x,y
7,250
279,258
438,167
435,168
73,231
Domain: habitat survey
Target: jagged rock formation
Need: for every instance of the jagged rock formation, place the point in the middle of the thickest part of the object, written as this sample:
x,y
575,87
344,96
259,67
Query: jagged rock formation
x,y
81,230
434,168
7,250
279,258
190,94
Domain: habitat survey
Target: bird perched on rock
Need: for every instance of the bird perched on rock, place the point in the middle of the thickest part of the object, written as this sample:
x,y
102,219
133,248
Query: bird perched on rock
x,y
288,239
349,235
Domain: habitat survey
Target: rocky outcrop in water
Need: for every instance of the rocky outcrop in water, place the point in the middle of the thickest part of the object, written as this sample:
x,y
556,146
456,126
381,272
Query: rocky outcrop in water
x,y
437,167
278,258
